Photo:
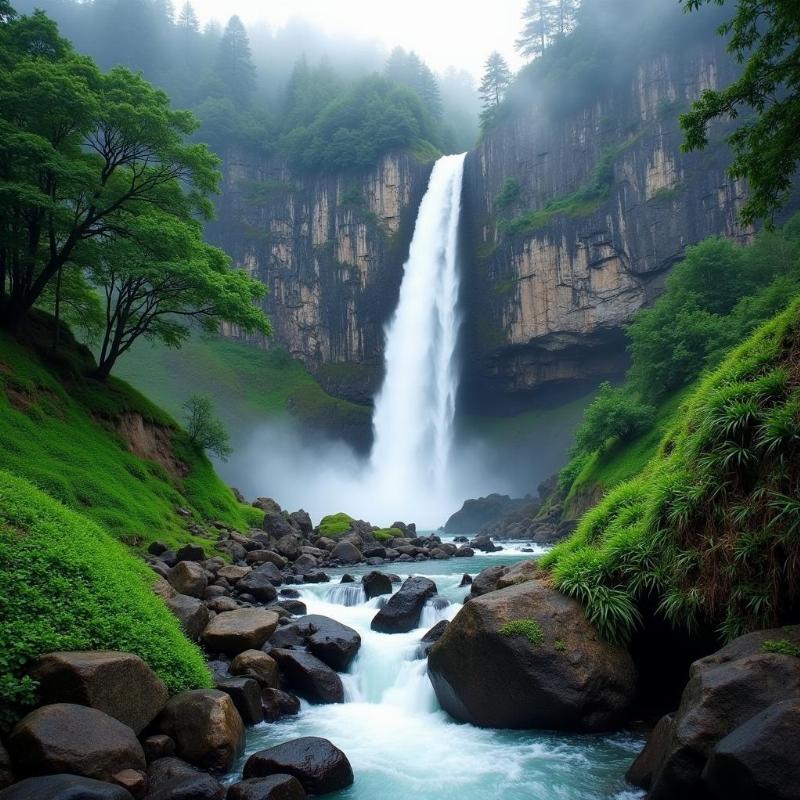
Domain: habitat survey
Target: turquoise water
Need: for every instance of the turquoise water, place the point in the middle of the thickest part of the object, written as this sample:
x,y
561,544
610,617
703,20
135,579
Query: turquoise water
x,y
402,745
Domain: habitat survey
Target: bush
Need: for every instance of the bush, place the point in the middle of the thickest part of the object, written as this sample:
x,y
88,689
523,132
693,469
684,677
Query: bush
x,y
613,413
205,431
65,584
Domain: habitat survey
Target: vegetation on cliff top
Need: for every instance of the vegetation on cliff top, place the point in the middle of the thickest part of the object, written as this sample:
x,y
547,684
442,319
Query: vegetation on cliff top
x,y
65,584
709,530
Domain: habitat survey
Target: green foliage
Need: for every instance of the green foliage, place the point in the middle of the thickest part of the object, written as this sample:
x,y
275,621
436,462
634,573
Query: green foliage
x,y
560,646
205,431
508,194
65,584
615,412
334,525
766,38
711,527
529,628
384,534
494,85
781,646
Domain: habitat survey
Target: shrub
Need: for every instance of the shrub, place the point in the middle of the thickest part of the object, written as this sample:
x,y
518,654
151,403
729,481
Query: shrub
x,y
65,584
205,431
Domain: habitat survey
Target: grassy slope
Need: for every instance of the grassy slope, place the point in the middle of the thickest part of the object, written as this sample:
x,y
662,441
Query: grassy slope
x,y
708,530
58,430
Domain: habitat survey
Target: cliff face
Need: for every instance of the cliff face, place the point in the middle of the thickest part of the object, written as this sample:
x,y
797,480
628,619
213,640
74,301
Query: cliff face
x,y
571,225
330,249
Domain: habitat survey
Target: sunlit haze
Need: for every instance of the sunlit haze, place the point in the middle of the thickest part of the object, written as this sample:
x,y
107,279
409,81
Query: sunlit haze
x,y
444,33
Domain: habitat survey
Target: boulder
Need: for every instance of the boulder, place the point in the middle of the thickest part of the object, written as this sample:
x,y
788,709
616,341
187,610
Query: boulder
x,y
309,677
486,580
157,746
466,580
305,562
260,584
233,573
315,577
330,641
477,513
276,704
302,521
289,544
132,780
404,608
759,758
297,607
347,553
318,764
173,779
64,787
519,573
188,577
464,552
273,787
221,604
65,737
233,632
266,556
119,684
257,665
431,637
191,613
277,525
526,657
206,728
191,552
246,696
484,543
266,504
376,584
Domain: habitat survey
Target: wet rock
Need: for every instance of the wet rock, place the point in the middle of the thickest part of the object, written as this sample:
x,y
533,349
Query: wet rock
x,y
305,563
119,684
206,728
347,578
257,665
330,641
347,553
157,548
64,787
485,544
246,696
431,637
158,746
404,608
173,779
486,580
317,763
526,657
65,737
464,552
309,677
466,580
266,557
276,704
191,613
259,585
297,607
315,577
274,787
519,573
289,593
641,772
233,573
233,632
376,584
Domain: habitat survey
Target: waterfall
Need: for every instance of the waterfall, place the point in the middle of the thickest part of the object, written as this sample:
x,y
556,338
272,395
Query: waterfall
x,y
413,418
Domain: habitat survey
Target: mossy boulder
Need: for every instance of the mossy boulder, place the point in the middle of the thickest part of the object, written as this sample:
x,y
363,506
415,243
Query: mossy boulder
x,y
335,525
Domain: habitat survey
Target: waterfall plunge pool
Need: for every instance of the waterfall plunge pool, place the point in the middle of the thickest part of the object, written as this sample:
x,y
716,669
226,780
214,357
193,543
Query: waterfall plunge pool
x,y
403,746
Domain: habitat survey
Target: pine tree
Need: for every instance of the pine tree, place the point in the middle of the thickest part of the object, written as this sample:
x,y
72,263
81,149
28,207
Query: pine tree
x,y
187,19
496,80
235,68
537,21
564,15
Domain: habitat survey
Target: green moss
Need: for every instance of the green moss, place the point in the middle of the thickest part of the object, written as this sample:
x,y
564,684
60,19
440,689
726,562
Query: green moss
x,y
65,584
384,534
781,646
529,628
335,525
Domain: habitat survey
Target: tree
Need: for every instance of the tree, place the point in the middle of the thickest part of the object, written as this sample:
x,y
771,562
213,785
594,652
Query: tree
x,y
536,30
408,69
159,277
765,36
495,83
82,155
235,68
204,429
187,19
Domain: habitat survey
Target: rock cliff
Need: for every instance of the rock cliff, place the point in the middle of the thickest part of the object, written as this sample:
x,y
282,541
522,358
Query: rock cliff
x,y
572,223
330,249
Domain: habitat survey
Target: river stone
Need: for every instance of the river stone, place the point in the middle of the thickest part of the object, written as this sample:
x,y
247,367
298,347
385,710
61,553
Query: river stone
x,y
760,758
347,553
273,787
376,584
158,746
571,680
257,665
65,737
173,779
191,613
317,763
289,544
259,585
309,677
246,696
404,608
431,637
188,577
233,632
464,552
206,728
486,580
265,557
119,684
330,641
64,787
275,703
234,573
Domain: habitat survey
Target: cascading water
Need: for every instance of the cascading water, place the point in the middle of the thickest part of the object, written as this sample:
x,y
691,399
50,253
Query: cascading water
x,y
413,419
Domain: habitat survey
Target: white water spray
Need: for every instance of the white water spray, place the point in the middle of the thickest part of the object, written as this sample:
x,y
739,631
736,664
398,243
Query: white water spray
x,y
413,419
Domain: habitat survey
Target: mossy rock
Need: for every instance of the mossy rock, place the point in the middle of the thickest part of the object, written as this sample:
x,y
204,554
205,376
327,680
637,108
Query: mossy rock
x,y
335,525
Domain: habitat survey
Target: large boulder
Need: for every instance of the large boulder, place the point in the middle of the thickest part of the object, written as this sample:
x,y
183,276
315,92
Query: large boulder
x,y
289,545
330,641
760,758
188,577
65,737
347,553
276,525
173,779
302,521
272,787
206,728
376,584
246,696
725,690
233,632
119,684
317,763
64,787
309,677
486,580
403,609
259,584
276,704
427,642
258,665
191,613
526,657
520,572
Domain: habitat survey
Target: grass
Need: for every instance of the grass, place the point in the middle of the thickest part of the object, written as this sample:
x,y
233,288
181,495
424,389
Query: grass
x,y
60,431
384,534
529,628
335,524
66,584
781,646
709,530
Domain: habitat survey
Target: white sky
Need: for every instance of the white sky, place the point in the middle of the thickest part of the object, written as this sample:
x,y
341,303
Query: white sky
x,y
442,32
